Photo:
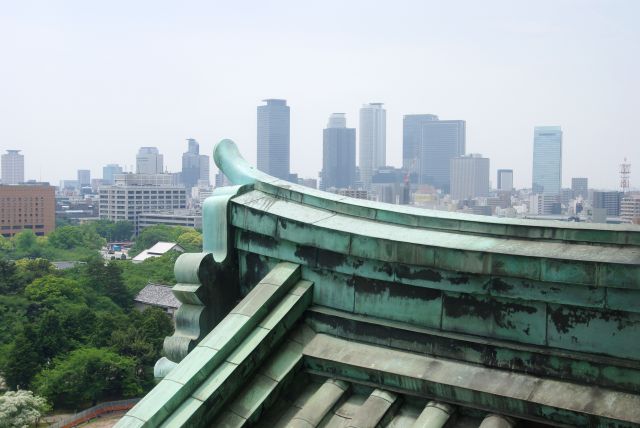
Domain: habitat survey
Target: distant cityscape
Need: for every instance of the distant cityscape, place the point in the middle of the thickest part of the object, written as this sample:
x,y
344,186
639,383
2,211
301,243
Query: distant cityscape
x,y
436,173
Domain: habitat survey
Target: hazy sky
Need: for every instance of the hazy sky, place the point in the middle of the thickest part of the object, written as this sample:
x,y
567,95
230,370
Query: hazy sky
x,y
85,83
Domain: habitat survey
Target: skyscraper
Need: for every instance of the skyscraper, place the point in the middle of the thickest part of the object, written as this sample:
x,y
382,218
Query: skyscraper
x,y
505,179
274,138
109,171
469,177
547,160
338,154
149,161
411,137
12,167
580,187
84,177
373,140
441,141
195,167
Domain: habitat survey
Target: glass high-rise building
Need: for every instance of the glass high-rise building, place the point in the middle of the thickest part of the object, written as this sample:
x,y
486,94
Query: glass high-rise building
x,y
411,137
195,167
109,172
441,141
373,140
338,154
505,179
12,167
274,138
547,160
580,187
149,161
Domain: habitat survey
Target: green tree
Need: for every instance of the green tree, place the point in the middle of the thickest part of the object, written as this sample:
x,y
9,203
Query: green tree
x,y
51,287
7,277
88,375
191,241
20,409
23,359
25,244
114,287
28,270
69,237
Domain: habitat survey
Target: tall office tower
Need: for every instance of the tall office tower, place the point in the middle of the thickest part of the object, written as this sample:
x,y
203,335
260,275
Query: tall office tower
x,y
149,161
411,137
505,179
12,167
547,160
109,172
441,141
338,154
274,138
84,177
373,140
195,167
469,177
580,187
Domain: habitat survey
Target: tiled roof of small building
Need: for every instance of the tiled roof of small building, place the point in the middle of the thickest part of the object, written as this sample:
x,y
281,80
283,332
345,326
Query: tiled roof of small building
x,y
157,295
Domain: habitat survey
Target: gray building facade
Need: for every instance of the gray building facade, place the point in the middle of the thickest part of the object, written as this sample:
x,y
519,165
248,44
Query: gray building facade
x,y
373,141
547,160
109,172
12,167
610,201
580,187
411,138
195,167
338,154
469,177
505,179
149,161
274,138
441,141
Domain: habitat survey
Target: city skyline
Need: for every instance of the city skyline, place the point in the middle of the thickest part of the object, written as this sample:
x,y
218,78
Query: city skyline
x,y
105,95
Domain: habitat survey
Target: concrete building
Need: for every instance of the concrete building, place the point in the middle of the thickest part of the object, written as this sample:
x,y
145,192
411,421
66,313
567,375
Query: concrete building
x,y
469,177
149,161
373,141
195,167
580,187
388,185
27,207
338,154
609,200
274,138
442,140
109,171
84,177
12,167
630,208
411,138
133,194
544,204
505,179
547,160
177,217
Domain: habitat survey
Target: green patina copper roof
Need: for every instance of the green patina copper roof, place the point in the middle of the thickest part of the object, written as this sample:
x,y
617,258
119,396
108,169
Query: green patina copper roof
x,y
313,309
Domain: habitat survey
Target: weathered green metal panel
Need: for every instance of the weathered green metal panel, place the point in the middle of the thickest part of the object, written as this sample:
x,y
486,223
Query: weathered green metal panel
x,y
602,331
415,305
492,317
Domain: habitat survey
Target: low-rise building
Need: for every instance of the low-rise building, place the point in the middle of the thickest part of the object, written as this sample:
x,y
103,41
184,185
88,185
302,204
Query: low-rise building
x,y
185,218
630,208
157,296
159,249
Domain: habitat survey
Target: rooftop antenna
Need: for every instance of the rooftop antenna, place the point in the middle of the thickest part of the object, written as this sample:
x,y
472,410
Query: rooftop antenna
x,y
625,172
